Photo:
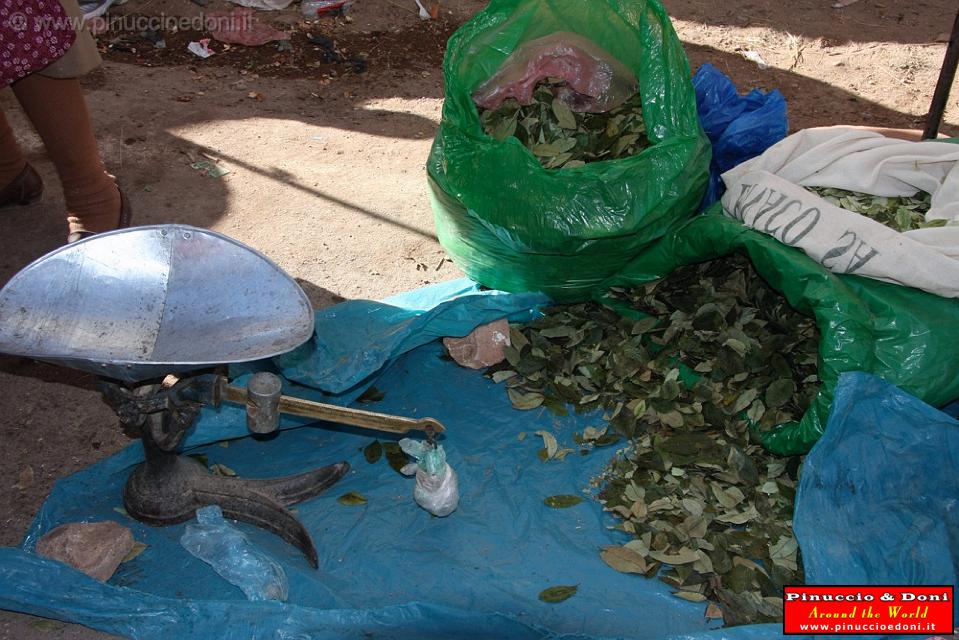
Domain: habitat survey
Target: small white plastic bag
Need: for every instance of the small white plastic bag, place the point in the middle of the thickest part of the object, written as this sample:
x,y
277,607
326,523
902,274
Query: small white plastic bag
x,y
437,487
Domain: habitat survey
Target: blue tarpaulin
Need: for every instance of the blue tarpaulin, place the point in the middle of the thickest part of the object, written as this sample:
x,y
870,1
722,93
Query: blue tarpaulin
x,y
390,570
886,473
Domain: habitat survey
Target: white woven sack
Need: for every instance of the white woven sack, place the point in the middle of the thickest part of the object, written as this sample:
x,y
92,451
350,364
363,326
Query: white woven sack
x,y
767,193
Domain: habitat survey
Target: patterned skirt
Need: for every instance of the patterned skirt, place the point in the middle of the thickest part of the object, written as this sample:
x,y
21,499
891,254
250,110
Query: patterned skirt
x,y
43,36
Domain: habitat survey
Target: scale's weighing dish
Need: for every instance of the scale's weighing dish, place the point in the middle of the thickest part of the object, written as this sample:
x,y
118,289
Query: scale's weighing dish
x,y
137,305
144,302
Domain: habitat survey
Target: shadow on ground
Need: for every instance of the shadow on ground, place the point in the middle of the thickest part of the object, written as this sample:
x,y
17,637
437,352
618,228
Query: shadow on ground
x,y
916,22
148,136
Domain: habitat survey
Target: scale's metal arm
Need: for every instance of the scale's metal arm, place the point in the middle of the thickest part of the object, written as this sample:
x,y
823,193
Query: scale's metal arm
x,y
264,403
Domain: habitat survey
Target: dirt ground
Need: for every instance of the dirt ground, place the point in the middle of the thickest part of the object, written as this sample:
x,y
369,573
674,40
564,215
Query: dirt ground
x,y
326,163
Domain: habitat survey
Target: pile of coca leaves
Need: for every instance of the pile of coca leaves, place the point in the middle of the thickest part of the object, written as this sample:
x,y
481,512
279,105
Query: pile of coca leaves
x,y
902,213
713,357
562,138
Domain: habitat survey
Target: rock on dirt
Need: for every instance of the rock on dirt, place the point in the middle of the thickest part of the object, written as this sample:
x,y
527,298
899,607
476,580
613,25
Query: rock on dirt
x,y
95,548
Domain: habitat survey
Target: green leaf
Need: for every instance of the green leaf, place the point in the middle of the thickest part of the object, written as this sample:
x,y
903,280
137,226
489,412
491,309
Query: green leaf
x,y
562,501
561,331
505,128
549,440
47,625
606,440
693,507
137,549
741,517
352,499
546,150
683,556
560,593
638,407
556,406
222,470
727,500
736,345
903,219
373,452
395,457
779,393
671,418
370,395
644,325
624,559
756,411
525,400
564,115
745,399
740,578
517,339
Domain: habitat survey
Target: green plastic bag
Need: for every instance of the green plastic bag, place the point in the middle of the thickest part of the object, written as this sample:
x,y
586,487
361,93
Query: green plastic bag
x,y
512,225
904,335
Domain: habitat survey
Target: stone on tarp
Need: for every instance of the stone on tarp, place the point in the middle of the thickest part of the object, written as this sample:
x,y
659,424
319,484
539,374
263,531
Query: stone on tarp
x,y
483,348
95,548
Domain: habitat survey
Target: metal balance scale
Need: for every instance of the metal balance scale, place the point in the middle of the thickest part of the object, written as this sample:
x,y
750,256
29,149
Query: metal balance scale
x,y
157,312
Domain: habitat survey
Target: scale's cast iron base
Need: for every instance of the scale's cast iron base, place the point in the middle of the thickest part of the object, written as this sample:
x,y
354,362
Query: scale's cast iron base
x,y
168,488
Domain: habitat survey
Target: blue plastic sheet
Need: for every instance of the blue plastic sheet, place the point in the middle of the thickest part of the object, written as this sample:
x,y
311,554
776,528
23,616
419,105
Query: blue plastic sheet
x,y
357,338
739,127
390,561
390,570
353,341
885,472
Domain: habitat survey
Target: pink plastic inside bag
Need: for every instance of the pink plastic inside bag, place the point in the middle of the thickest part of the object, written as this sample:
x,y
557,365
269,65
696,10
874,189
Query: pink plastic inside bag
x,y
240,26
597,82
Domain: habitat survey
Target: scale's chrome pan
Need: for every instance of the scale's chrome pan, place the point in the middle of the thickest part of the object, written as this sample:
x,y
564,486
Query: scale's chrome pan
x,y
139,303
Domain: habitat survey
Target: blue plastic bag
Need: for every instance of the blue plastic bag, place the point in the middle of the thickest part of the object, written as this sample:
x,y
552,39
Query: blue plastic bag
x,y
231,554
739,127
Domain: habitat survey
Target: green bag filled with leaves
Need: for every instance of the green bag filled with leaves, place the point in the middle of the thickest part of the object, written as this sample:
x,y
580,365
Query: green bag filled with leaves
x,y
512,223
901,334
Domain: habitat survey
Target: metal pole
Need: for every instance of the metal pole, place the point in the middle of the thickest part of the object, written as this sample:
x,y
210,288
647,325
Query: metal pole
x,y
946,76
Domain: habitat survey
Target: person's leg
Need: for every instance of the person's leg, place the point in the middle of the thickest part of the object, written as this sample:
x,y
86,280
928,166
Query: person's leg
x,y
58,111
19,183
12,163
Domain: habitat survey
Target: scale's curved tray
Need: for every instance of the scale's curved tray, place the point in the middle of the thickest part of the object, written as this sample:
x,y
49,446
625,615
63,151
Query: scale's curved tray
x,y
140,303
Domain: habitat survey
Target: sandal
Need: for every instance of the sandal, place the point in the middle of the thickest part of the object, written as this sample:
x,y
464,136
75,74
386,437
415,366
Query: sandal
x,y
24,189
126,217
